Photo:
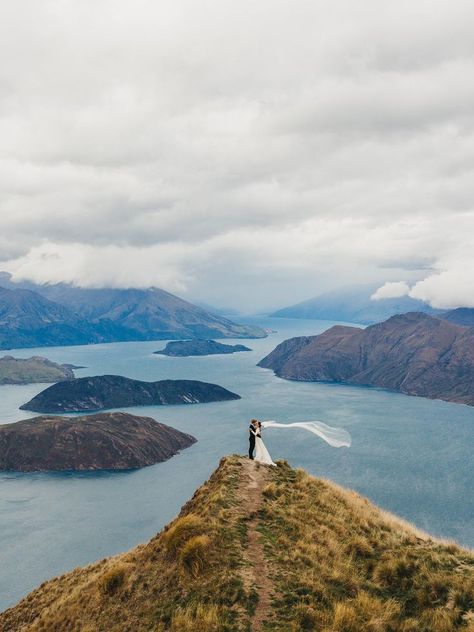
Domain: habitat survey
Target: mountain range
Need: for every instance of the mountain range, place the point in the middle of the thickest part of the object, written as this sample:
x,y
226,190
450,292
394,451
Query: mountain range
x,y
354,305
49,315
412,353
265,549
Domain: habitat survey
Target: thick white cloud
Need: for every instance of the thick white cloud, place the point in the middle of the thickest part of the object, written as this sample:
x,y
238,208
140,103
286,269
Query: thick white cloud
x,y
452,285
248,154
392,289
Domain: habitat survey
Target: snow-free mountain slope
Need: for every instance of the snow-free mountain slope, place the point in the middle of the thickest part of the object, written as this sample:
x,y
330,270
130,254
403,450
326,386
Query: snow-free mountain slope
x,y
265,549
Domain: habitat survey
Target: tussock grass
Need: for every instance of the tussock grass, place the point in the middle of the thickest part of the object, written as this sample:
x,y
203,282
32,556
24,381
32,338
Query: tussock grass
x,y
336,562
202,618
112,579
193,554
185,578
353,568
181,531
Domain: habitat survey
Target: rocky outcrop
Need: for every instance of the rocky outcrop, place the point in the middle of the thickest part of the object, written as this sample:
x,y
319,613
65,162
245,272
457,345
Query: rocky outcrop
x,y
412,353
115,391
184,348
31,370
112,441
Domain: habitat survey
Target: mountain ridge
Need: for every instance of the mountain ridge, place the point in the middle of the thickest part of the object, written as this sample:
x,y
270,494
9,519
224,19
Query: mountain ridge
x,y
463,316
265,548
353,305
47,315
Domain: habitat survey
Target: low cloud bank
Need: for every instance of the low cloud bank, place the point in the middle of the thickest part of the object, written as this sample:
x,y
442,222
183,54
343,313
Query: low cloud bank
x,y
248,154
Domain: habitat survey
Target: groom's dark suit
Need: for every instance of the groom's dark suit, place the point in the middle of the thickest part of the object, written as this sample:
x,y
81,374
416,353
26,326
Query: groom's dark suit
x,y
252,429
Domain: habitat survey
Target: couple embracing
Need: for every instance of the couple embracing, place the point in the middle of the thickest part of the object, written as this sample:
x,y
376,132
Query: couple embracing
x,y
256,444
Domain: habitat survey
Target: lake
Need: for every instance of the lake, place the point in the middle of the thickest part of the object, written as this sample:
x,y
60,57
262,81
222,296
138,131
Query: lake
x,y
410,455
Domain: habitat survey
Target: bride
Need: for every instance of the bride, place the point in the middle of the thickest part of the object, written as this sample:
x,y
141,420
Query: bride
x,y
262,455
335,437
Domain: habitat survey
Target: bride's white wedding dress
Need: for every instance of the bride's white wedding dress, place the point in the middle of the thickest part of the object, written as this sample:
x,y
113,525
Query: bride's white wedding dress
x,y
262,455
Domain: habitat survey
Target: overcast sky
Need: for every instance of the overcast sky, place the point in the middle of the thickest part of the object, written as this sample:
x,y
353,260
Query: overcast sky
x,y
248,154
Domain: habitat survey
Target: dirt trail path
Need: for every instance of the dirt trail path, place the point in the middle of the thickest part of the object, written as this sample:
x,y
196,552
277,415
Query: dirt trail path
x,y
256,574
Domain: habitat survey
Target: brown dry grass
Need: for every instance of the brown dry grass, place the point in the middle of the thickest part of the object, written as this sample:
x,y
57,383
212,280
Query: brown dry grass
x,y
333,563
342,565
186,578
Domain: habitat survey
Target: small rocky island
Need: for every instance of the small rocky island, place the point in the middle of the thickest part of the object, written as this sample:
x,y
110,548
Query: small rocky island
x,y
107,441
412,353
114,391
33,370
185,348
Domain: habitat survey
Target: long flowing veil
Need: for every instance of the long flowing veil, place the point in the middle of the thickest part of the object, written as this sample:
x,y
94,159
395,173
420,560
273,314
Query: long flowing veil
x,y
336,437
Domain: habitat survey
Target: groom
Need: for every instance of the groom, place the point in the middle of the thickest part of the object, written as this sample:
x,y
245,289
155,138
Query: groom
x,y
253,430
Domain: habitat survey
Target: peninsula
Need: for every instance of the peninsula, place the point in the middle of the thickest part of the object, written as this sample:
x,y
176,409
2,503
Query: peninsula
x,y
32,370
414,353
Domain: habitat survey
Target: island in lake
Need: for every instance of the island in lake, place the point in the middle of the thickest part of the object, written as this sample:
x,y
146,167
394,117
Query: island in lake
x,y
184,348
112,441
115,391
32,370
414,353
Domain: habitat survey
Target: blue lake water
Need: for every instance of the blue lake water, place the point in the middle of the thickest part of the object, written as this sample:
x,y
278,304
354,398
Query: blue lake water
x,y
410,455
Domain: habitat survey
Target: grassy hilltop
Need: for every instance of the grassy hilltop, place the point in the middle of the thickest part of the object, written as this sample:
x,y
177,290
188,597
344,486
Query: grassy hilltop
x,y
261,548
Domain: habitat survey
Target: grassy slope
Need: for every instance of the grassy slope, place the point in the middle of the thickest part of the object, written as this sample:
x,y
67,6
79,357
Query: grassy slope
x,y
334,563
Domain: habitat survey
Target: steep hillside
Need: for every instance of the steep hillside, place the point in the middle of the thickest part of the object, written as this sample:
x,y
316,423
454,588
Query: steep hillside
x,y
354,305
28,319
265,549
24,309
463,316
107,441
153,313
413,353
